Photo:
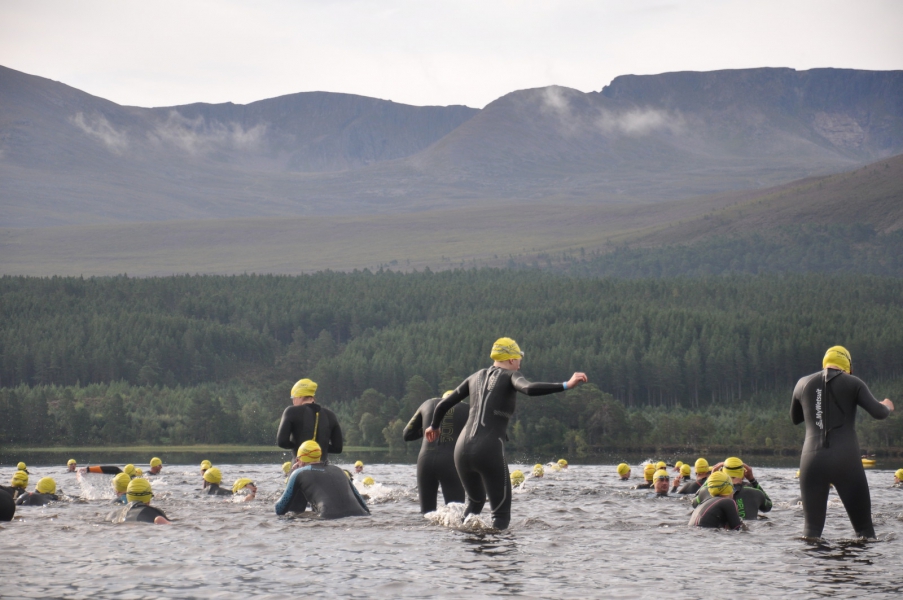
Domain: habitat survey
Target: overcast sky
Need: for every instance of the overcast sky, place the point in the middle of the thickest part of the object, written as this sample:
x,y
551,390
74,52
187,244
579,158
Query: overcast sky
x,y
162,52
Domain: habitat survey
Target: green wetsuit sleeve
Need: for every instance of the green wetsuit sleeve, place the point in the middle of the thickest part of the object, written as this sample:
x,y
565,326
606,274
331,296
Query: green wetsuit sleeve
x,y
461,392
523,386
414,429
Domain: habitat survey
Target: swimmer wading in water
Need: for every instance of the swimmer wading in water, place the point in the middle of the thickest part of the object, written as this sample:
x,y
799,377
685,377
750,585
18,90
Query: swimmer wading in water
x,y
480,450
826,401
306,420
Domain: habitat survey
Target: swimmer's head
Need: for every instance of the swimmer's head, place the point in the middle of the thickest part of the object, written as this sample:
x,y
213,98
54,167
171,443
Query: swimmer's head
x,y
19,480
358,467
447,394
624,470
139,490
685,470
368,481
120,483
662,481
562,463
138,472
719,484
71,464
287,467
310,452
678,465
517,478
702,466
244,483
661,474
733,467
649,472
156,465
839,357
46,485
304,388
205,464
660,465
538,471
130,469
898,476
213,475
505,349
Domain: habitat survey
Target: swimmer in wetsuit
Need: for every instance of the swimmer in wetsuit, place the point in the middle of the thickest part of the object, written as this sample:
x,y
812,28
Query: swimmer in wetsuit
x,y
702,473
480,451
213,477
826,401
750,498
138,509
109,470
720,510
307,420
648,478
156,465
436,461
120,485
45,493
326,488
624,471
7,505
17,484
661,483
682,475
244,489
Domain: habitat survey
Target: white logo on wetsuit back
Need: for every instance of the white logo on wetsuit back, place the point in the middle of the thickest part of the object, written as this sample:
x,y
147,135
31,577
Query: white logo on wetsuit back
x,y
818,413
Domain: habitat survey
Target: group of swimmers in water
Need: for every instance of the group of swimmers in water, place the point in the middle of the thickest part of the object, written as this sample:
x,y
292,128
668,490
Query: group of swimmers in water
x,y
463,453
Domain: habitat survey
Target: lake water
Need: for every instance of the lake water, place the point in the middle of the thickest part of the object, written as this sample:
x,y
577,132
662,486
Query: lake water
x,y
576,534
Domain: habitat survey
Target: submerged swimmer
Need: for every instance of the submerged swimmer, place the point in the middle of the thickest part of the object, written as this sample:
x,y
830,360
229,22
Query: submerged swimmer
x,y
563,464
138,509
359,466
720,510
517,478
678,465
45,492
120,485
648,476
213,477
538,471
244,488
205,464
703,470
662,483
624,471
326,488
71,465
307,420
156,465
826,401
682,475
480,450
436,461
898,478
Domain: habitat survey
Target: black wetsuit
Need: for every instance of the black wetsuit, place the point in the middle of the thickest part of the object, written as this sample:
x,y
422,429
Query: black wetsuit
x,y
136,512
7,505
480,450
717,513
326,488
750,498
644,486
827,402
35,499
691,487
214,489
14,492
298,424
436,462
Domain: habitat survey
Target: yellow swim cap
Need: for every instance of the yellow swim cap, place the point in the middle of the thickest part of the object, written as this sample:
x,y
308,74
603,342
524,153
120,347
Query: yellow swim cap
x,y
286,467
71,461
505,349
839,356
623,469
661,474
685,470
562,462
138,472
304,388
156,462
517,478
19,479
898,473
368,481
648,471
661,465
358,464
702,466
213,475
678,464
797,473
241,484
310,452
130,469
206,464
21,466
46,485
120,483
733,467
719,484
538,471
139,490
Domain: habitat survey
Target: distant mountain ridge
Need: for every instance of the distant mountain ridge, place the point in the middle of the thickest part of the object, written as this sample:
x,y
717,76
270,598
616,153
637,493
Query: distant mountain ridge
x,y
67,157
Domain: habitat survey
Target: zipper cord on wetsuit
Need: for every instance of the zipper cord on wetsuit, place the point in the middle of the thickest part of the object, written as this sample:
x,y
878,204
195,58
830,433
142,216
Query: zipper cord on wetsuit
x,y
824,409
316,424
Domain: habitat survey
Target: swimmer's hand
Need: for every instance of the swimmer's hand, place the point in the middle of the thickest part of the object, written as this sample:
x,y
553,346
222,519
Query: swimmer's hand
x,y
718,467
431,434
576,379
748,472
886,402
